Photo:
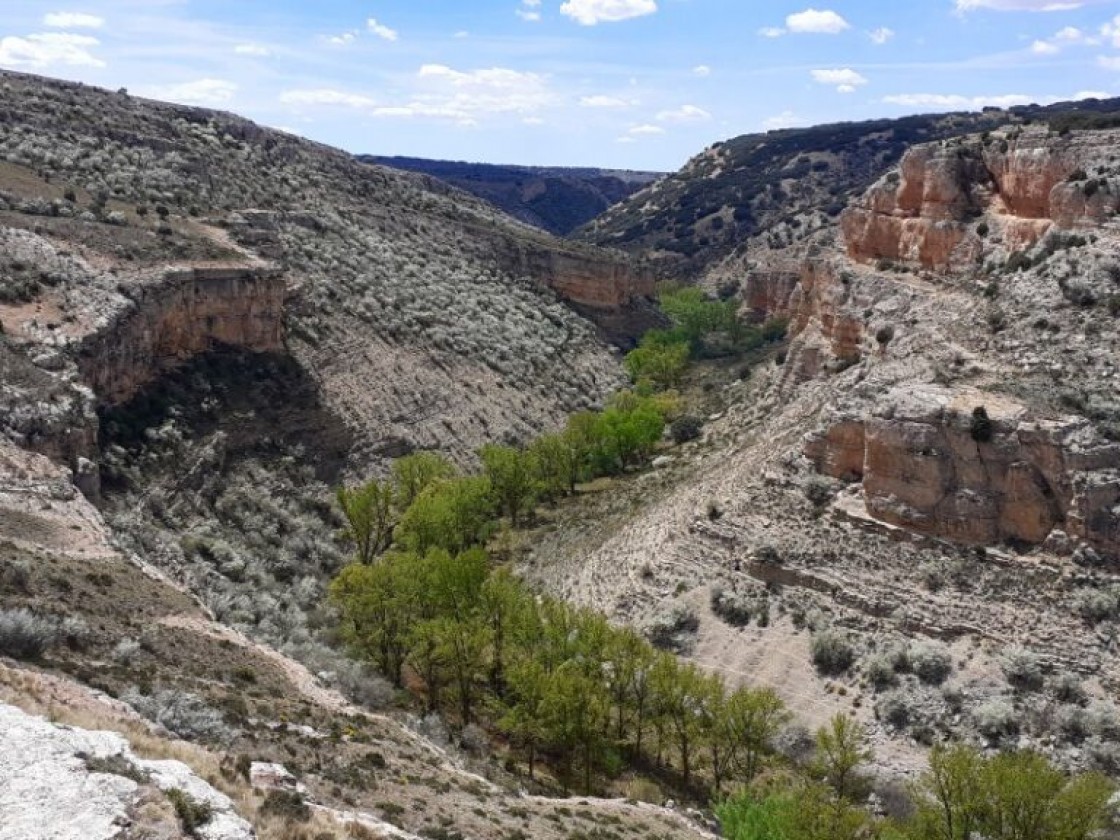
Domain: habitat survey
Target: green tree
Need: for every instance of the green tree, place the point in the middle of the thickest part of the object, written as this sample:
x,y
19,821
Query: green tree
x,y
368,510
626,432
841,748
574,709
752,719
379,605
1012,796
524,719
558,466
513,478
415,473
454,514
679,692
661,364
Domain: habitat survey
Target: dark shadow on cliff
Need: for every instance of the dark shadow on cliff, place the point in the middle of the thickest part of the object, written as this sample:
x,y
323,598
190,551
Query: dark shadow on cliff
x,y
265,405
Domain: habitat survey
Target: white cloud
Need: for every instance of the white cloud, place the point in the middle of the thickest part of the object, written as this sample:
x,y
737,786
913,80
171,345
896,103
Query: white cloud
x,y
786,119
844,79
532,121
465,97
73,20
943,101
771,32
881,35
1091,94
462,33
259,50
1066,37
646,130
209,92
592,12
605,102
1022,5
1111,31
46,49
818,21
685,113
702,71
326,96
343,39
530,11
381,30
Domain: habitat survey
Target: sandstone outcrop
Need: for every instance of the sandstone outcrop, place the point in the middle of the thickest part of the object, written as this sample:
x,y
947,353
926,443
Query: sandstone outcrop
x,y
926,465
1028,181
184,313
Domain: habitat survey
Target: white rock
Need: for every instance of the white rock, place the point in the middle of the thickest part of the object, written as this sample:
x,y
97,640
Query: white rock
x,y
48,793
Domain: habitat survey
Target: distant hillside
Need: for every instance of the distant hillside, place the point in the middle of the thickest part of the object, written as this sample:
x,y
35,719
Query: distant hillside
x,y
557,199
783,182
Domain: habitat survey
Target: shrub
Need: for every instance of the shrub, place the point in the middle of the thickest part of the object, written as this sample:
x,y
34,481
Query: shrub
x,y
1067,688
1097,605
818,490
24,635
288,805
893,709
832,652
1022,669
880,672
192,814
931,662
980,426
180,712
996,719
675,630
685,428
732,607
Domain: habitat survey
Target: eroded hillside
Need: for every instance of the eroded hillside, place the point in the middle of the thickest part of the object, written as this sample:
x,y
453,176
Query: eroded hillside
x,y
929,479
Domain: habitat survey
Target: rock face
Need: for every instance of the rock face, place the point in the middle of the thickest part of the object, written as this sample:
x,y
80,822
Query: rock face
x,y
927,466
187,312
63,783
1028,181
818,300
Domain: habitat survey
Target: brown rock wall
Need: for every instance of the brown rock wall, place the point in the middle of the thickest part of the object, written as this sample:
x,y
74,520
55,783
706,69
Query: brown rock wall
x,y
922,469
184,313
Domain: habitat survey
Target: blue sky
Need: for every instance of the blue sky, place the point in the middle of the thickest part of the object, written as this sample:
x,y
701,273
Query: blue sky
x,y
641,84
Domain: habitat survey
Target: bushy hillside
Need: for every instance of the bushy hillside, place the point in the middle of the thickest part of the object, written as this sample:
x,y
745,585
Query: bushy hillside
x,y
780,185
558,199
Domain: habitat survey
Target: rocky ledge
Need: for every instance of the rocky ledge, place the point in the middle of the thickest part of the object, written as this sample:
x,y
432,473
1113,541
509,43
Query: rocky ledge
x,y
978,468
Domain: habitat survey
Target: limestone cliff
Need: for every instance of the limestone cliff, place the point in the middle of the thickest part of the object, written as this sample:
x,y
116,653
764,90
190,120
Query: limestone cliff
x,y
1023,182
927,465
183,313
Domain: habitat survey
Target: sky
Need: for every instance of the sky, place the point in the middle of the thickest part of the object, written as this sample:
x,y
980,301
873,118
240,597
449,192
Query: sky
x,y
635,84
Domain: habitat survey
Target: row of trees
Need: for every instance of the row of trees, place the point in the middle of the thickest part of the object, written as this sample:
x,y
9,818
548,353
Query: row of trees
x,y
702,328
963,795
427,504
559,681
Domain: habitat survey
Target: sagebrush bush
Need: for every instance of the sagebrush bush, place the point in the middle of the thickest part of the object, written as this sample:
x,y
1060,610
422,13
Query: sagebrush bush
x,y
181,713
931,662
832,652
1022,669
893,709
733,607
996,719
686,428
24,635
880,672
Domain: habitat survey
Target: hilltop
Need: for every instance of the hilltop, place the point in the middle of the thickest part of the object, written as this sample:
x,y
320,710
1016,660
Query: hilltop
x,y
556,199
